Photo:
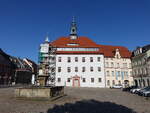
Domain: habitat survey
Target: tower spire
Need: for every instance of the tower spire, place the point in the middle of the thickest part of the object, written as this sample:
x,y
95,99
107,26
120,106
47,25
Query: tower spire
x,y
73,30
47,39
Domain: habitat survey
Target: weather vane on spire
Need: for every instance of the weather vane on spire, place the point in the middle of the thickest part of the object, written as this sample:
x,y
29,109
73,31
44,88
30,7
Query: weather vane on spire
x,y
73,19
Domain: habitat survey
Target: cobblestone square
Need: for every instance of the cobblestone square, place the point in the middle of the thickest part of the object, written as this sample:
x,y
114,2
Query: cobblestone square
x,y
77,100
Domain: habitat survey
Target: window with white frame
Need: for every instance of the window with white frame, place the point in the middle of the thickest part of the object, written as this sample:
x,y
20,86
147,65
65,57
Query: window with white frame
x,y
99,80
59,79
106,64
107,73
130,66
69,59
112,64
69,69
68,80
76,69
118,65
119,73
84,80
108,83
83,59
125,65
91,59
59,59
99,69
91,69
59,69
76,59
83,69
112,72
92,80
98,59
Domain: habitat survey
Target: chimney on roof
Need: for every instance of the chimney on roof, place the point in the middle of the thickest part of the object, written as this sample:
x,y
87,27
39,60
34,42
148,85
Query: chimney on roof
x,y
73,30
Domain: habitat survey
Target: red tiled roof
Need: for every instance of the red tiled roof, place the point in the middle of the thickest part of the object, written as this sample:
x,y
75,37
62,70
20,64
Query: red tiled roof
x,y
84,42
81,41
109,51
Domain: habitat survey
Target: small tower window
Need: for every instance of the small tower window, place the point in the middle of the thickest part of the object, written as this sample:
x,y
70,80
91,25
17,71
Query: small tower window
x,y
73,31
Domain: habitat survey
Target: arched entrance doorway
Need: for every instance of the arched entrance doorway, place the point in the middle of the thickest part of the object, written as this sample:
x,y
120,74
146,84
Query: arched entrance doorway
x,y
140,83
113,82
136,83
143,83
76,81
148,83
119,82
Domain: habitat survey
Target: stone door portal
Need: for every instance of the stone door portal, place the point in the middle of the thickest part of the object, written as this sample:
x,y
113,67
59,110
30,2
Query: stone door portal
x,y
76,81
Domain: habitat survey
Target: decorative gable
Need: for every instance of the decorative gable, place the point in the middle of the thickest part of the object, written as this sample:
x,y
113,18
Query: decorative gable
x,y
117,54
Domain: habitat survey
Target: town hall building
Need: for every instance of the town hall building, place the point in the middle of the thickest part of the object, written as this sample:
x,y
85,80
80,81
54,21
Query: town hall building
x,y
77,61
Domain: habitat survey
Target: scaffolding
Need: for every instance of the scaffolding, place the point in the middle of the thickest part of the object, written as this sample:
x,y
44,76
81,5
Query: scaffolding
x,y
47,65
52,66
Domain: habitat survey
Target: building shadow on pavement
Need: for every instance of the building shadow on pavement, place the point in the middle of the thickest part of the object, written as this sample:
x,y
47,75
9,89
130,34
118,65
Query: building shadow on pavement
x,y
90,106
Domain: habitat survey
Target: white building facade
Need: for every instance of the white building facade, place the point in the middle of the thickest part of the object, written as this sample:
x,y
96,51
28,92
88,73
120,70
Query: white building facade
x,y
83,70
80,62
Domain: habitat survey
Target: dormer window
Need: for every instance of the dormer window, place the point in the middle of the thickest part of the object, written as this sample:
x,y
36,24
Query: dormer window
x,y
72,44
73,37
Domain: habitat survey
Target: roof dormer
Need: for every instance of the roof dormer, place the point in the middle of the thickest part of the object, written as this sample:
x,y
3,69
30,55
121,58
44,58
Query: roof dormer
x,y
117,54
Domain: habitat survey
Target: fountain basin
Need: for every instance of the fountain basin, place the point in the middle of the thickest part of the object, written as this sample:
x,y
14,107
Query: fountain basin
x,y
39,92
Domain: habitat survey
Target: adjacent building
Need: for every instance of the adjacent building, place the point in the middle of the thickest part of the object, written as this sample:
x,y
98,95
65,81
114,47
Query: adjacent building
x,y
14,70
6,69
25,70
141,66
118,68
148,67
77,61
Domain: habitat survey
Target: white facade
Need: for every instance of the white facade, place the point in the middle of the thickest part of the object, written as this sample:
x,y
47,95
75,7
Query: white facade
x,y
80,73
79,62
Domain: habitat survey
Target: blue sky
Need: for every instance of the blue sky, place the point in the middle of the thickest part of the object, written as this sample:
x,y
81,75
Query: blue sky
x,y
25,23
